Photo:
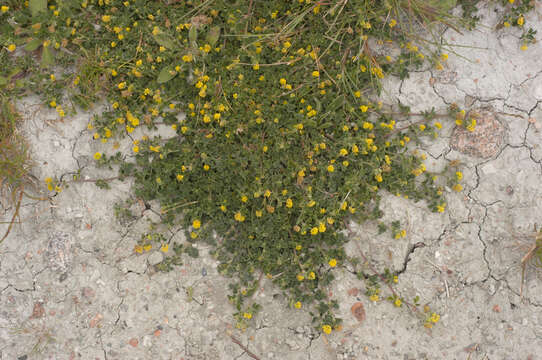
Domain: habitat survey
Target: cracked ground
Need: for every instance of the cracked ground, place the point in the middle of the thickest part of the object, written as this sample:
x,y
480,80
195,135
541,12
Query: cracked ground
x,y
71,286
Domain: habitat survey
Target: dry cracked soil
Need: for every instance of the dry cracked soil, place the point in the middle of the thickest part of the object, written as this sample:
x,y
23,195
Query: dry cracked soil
x,y
71,286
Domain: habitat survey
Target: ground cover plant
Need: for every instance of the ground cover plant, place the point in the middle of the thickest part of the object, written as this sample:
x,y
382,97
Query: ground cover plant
x,y
281,138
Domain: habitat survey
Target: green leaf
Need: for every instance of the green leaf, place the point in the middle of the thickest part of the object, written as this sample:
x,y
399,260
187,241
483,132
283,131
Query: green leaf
x,y
37,6
47,57
3,81
166,74
32,44
193,36
15,72
165,40
213,35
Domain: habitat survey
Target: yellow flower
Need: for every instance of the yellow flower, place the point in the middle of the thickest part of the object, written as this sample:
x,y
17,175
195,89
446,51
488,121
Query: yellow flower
x,y
364,108
135,149
289,203
521,21
355,149
378,178
247,315
367,125
506,24
196,224
322,227
374,297
458,187
312,275
440,208
164,248
392,23
121,85
331,168
330,221
147,247
259,213
223,208
343,152
398,302
138,249
422,127
459,175
332,262
106,18
524,47
297,305
300,277
206,167
315,74
298,247
97,156
326,329
12,47
4,9
239,217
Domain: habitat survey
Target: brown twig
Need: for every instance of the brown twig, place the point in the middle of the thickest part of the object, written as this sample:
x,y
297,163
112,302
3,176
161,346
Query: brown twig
x,y
248,15
247,351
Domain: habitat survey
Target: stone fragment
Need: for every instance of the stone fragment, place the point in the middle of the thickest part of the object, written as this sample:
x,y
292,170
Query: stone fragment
x,y
358,311
133,342
487,138
95,320
38,311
